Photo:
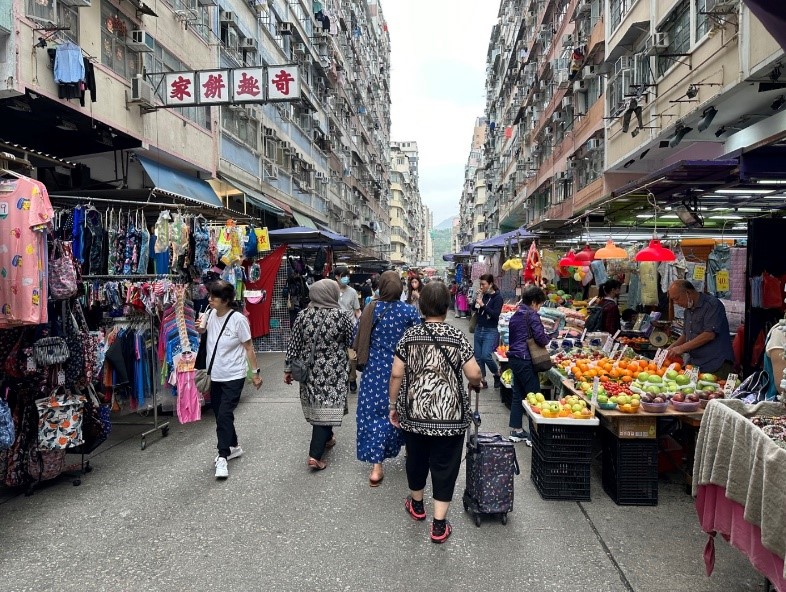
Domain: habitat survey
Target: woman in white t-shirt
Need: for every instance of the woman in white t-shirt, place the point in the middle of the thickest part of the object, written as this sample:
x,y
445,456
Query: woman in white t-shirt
x,y
234,355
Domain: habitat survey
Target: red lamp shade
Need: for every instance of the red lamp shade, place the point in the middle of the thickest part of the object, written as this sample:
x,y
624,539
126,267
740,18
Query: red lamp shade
x,y
611,251
655,252
585,255
569,260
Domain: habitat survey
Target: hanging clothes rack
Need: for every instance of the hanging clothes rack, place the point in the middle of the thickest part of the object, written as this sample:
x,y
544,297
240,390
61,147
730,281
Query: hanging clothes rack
x,y
125,203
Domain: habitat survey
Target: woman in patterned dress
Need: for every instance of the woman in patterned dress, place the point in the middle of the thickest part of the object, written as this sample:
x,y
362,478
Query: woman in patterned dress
x,y
381,326
326,328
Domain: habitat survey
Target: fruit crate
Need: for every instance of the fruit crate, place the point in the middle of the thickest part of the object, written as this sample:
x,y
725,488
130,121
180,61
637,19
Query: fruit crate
x,y
572,443
560,480
630,470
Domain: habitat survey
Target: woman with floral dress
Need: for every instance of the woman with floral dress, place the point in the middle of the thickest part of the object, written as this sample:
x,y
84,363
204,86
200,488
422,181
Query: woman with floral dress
x,y
328,330
381,326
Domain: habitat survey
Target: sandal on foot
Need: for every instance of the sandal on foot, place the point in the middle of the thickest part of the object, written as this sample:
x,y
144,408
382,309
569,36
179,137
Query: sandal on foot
x,y
316,465
416,514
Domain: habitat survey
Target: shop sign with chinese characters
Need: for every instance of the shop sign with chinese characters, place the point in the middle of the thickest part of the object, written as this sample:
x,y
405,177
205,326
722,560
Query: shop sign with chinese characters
x,y
235,85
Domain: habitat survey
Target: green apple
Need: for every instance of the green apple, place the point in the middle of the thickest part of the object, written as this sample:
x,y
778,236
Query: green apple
x,y
576,408
613,399
671,374
540,397
554,407
654,379
643,376
635,397
603,399
682,379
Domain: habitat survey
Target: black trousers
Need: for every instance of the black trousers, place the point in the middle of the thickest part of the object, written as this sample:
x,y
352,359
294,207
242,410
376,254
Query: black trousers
x,y
320,435
439,454
224,397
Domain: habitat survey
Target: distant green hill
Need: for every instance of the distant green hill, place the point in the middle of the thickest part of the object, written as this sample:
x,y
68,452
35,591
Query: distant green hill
x,y
447,223
440,239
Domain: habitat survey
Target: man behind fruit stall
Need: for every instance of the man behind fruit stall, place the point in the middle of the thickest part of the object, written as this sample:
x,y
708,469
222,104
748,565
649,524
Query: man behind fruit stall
x,y
705,337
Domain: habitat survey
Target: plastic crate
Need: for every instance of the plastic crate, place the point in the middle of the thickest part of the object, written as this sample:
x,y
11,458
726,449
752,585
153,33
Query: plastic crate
x,y
560,480
630,470
563,442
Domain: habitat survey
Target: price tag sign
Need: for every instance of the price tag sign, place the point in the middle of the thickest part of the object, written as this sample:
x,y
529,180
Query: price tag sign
x,y
660,357
617,334
699,272
614,350
595,386
731,384
693,374
583,335
608,345
722,281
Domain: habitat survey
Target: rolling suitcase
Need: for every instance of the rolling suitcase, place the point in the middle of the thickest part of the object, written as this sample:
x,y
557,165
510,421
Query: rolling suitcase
x,y
491,468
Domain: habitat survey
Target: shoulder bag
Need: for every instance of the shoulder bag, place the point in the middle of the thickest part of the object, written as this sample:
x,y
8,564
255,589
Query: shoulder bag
x,y
473,322
300,368
63,280
541,359
202,376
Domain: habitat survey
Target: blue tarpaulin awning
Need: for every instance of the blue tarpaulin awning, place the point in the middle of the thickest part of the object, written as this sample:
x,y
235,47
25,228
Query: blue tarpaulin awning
x,y
180,185
501,241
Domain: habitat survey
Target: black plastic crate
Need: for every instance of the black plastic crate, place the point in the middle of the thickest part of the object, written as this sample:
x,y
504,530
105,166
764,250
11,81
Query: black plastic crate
x,y
560,480
562,442
630,470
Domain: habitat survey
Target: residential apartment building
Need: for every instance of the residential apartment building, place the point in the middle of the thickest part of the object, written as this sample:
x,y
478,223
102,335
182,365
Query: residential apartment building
x,y
477,216
320,161
410,221
588,100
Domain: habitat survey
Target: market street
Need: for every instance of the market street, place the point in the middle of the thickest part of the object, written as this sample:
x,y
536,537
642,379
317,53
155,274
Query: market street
x,y
158,520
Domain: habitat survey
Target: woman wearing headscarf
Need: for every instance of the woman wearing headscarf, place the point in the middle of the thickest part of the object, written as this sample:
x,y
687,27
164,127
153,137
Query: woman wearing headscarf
x,y
382,324
324,327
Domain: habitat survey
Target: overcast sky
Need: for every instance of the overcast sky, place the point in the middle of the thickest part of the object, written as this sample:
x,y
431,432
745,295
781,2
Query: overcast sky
x,y
438,75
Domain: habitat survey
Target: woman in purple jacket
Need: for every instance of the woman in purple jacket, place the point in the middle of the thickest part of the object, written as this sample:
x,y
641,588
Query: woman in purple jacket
x,y
524,323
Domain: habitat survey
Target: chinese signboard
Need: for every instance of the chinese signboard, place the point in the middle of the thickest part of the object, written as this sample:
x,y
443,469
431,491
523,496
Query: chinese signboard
x,y
236,85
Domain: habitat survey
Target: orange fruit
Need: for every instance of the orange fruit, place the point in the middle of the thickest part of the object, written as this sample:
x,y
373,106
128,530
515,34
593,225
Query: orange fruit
x,y
627,378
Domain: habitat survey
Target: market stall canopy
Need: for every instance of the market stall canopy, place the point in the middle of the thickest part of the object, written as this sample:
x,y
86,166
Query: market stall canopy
x,y
173,183
496,243
773,16
304,236
254,196
304,221
465,254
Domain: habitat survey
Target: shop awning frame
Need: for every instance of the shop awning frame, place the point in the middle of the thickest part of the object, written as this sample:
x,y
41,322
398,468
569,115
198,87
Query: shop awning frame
x,y
254,196
177,184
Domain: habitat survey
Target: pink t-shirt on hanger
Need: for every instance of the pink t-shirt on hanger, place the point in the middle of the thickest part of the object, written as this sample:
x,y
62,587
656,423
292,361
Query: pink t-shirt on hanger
x,y
25,215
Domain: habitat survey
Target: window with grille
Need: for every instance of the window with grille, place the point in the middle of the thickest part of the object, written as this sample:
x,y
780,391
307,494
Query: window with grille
x,y
115,29
678,28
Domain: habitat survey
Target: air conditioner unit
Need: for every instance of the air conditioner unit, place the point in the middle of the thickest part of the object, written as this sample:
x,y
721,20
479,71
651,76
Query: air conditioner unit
x,y
299,48
579,86
142,92
258,6
593,144
228,18
76,3
583,7
284,28
567,102
248,44
657,42
567,40
140,41
558,116
589,71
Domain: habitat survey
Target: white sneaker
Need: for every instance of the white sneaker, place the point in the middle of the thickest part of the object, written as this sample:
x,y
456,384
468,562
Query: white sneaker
x,y
234,452
222,472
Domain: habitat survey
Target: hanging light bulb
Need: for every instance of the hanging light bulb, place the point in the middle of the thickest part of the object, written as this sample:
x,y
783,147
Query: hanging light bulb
x,y
569,260
585,255
611,251
656,252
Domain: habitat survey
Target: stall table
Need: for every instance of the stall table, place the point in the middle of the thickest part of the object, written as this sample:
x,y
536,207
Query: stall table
x,y
630,450
738,483
506,390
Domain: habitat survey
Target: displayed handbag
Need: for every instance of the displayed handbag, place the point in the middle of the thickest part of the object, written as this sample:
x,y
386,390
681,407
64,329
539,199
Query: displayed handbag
x,y
49,351
473,322
202,375
97,424
20,360
300,368
60,418
63,279
541,359
7,428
